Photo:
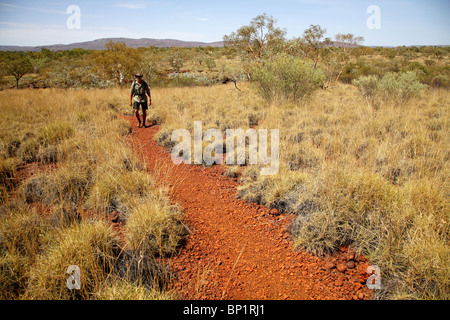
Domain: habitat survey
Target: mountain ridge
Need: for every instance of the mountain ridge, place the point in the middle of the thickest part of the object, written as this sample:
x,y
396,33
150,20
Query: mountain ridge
x,y
99,44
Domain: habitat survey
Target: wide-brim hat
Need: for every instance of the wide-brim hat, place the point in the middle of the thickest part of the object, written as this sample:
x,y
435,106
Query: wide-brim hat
x,y
139,75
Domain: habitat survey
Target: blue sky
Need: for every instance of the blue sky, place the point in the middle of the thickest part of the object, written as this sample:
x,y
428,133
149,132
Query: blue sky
x,y
403,22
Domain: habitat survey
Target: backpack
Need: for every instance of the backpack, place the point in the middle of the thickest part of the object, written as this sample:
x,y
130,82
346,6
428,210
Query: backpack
x,y
144,84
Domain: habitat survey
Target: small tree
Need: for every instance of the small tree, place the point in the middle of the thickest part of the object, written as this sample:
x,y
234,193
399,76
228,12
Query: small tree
x,y
148,66
117,61
210,63
176,61
18,67
313,38
258,41
345,42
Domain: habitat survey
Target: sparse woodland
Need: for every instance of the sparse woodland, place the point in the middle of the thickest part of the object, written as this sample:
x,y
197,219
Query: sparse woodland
x,y
364,156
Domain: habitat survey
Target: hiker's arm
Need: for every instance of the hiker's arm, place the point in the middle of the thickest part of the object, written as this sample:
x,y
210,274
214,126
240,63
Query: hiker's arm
x,y
131,99
149,96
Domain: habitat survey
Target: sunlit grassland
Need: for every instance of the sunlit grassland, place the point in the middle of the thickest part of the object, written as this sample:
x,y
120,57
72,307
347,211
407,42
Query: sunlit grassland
x,y
59,216
371,176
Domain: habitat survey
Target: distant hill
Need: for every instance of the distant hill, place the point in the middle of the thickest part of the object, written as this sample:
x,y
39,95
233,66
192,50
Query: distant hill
x,y
99,44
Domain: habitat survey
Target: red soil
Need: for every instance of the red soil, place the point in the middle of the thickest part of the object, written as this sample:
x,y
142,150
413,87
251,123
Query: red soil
x,y
28,170
238,250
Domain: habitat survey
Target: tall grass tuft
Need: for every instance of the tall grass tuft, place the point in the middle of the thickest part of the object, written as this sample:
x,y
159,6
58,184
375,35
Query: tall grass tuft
x,y
92,246
154,228
23,236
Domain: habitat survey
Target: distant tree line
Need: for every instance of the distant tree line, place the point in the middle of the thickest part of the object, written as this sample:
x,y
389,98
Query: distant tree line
x,y
342,58
114,66
255,49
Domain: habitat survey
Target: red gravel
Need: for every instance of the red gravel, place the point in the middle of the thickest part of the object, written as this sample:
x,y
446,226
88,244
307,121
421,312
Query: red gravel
x,y
238,250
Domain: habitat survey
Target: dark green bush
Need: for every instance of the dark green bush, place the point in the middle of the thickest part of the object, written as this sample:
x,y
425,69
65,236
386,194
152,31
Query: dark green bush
x,y
440,81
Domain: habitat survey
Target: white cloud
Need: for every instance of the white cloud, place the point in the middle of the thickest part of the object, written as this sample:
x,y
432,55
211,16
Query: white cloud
x,y
202,19
22,34
12,7
9,6
132,5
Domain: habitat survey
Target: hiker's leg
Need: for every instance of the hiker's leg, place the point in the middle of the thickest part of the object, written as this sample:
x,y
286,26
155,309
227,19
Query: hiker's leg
x,y
137,115
144,112
136,112
144,116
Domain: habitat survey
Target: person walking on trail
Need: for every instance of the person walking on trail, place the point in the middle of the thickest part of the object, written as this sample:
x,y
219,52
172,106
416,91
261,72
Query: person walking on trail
x,y
140,90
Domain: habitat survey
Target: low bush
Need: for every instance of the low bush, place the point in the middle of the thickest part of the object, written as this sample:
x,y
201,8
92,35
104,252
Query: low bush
x,y
119,192
440,81
286,77
363,67
189,80
397,87
401,86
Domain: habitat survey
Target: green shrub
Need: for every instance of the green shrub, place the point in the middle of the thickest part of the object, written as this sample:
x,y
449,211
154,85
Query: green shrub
x,y
401,85
364,67
368,85
188,79
176,61
287,77
398,87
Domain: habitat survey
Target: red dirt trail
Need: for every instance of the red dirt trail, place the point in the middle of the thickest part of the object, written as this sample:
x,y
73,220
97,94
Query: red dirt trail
x,y
237,250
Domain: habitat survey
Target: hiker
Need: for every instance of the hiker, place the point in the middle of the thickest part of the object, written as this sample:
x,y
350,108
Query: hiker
x,y
139,89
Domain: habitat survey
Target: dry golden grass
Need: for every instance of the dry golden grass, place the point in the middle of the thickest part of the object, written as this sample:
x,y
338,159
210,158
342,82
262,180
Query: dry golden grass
x,y
80,132
154,228
89,245
124,290
374,177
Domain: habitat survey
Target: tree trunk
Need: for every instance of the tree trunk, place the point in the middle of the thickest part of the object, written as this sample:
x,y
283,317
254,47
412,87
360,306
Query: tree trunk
x,y
339,75
317,60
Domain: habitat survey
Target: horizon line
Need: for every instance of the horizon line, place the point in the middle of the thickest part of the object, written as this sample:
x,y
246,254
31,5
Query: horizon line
x,y
191,41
